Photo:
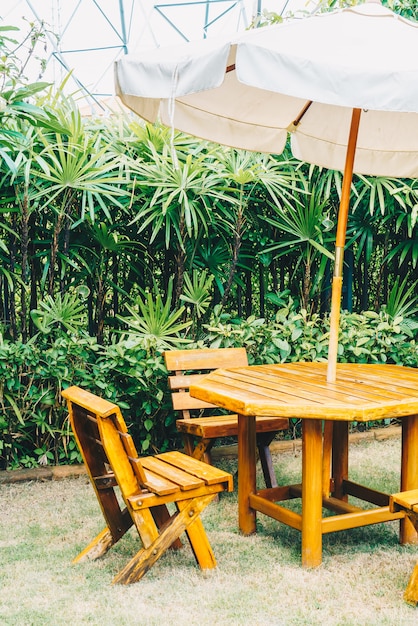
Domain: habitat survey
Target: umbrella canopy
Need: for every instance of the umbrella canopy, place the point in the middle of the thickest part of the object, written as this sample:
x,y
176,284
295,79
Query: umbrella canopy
x,y
344,84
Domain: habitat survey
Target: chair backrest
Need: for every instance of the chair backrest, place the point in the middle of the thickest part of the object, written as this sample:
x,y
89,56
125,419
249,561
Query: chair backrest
x,y
107,448
191,365
109,451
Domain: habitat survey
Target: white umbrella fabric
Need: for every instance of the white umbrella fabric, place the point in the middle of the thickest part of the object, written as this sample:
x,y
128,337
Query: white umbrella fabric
x,y
344,84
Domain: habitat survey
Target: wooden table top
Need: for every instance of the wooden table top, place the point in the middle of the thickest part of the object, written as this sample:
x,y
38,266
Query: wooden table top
x,y
361,392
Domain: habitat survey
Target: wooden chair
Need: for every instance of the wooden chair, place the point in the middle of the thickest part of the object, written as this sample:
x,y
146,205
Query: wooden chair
x,y
146,485
408,501
188,367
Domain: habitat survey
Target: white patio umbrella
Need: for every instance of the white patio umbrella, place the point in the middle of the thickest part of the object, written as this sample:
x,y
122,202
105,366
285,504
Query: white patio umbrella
x,y
344,84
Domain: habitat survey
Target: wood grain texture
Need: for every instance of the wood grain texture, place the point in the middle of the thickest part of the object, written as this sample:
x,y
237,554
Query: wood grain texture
x,y
201,429
361,393
147,485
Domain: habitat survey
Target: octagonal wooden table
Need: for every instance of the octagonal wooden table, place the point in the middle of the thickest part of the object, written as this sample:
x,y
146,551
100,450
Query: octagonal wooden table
x,y
361,393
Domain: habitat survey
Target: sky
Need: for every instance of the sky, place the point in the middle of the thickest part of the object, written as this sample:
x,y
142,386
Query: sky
x,y
91,32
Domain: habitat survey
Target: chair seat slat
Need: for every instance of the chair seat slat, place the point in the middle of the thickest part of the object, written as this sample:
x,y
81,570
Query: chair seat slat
x,y
172,472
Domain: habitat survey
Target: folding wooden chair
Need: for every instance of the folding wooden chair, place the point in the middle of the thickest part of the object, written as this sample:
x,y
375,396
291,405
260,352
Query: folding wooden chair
x,y
146,485
200,430
408,501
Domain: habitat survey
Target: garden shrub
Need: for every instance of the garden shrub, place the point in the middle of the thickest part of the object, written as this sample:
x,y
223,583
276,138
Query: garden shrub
x,y
34,427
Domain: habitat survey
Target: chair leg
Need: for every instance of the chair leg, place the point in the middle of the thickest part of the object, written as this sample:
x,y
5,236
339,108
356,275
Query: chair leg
x,y
188,444
96,548
120,523
155,547
411,592
263,442
199,542
162,516
201,451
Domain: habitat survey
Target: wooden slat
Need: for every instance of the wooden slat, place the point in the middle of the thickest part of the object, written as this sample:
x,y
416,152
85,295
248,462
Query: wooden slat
x,y
105,482
159,485
362,492
361,518
183,479
150,499
287,390
277,512
183,381
209,358
226,425
183,401
89,401
210,474
406,499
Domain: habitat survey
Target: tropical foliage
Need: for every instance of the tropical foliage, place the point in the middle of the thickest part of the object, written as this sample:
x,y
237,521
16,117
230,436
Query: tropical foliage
x,y
118,241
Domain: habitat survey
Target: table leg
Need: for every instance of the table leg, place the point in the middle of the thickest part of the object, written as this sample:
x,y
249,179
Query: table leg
x,y
326,458
311,492
409,471
246,472
340,459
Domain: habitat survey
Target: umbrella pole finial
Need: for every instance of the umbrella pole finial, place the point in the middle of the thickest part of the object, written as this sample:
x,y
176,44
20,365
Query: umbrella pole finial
x,y
337,280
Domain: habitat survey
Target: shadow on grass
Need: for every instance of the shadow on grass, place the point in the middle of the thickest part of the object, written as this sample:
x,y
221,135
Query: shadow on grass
x,y
258,581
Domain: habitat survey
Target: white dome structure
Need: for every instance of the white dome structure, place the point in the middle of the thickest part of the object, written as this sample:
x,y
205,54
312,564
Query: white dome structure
x,y
85,37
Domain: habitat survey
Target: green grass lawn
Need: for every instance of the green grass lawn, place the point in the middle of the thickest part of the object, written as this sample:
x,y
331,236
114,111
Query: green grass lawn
x,y
259,580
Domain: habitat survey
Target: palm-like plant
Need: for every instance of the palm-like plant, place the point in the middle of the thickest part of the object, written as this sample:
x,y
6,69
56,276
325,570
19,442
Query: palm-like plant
x,y
76,177
249,178
381,207
101,260
197,292
303,230
62,312
402,305
177,198
155,325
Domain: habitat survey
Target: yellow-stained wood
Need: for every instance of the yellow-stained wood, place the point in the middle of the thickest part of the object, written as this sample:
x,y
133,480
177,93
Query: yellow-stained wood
x,y
146,526
148,499
411,591
180,382
200,429
277,512
311,493
96,548
158,485
146,557
363,517
147,486
183,401
246,474
205,359
208,473
408,501
158,466
360,392
409,472
84,425
217,426
405,499
201,449
199,542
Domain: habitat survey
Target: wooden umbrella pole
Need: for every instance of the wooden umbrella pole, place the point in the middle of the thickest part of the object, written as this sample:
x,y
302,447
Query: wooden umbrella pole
x,y
337,279
337,283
